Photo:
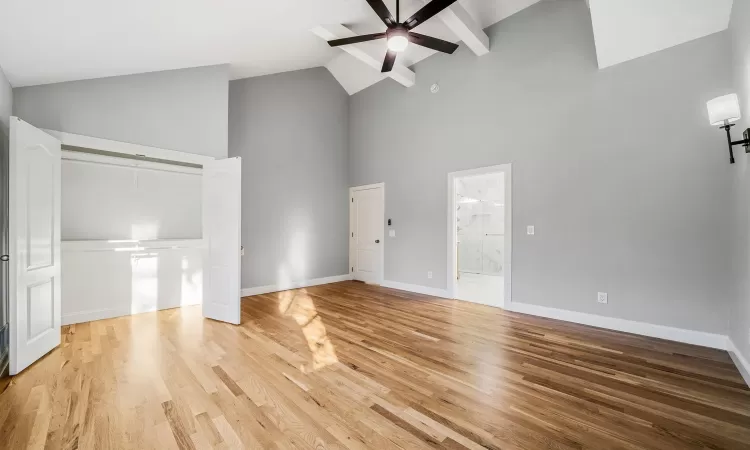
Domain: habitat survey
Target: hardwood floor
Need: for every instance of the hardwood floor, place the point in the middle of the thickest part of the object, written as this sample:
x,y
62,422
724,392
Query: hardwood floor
x,y
353,366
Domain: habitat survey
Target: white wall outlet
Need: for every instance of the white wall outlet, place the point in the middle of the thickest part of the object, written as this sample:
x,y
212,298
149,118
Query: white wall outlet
x,y
530,230
392,233
429,274
602,297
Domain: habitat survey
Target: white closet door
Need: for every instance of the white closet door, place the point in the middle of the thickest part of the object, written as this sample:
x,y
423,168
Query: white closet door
x,y
222,201
367,212
34,244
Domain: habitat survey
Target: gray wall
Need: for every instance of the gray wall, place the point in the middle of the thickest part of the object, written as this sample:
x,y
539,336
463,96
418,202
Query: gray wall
x,y
627,184
184,110
739,329
291,131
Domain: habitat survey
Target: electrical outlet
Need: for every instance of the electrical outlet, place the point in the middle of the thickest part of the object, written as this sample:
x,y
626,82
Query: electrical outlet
x,y
530,230
429,274
602,297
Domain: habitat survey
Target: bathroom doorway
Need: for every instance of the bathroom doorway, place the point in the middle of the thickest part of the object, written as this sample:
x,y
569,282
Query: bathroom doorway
x,y
480,235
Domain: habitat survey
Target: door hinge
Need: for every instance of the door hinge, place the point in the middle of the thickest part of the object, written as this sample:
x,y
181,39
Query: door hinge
x,y
352,234
352,200
352,269
5,258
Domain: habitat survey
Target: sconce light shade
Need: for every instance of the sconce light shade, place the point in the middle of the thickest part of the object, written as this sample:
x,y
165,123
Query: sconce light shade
x,y
724,108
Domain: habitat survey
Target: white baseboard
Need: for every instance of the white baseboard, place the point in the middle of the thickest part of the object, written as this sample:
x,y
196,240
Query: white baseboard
x,y
712,340
701,338
111,313
435,292
90,316
245,292
739,360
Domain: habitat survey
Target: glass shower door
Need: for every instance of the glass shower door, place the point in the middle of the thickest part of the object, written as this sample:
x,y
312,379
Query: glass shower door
x,y
480,214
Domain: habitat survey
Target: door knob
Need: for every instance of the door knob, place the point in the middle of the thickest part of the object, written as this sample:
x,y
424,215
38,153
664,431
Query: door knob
x,y
377,241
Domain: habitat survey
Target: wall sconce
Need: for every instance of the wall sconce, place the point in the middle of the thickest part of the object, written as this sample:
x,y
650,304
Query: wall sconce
x,y
723,111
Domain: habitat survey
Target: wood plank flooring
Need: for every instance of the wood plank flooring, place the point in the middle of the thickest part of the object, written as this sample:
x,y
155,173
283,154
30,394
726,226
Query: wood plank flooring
x,y
351,366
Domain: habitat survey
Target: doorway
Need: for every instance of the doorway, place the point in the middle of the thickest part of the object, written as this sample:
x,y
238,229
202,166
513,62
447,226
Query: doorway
x,y
366,232
479,235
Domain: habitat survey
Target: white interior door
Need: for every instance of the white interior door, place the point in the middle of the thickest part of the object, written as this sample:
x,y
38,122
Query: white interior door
x,y
222,204
35,159
367,230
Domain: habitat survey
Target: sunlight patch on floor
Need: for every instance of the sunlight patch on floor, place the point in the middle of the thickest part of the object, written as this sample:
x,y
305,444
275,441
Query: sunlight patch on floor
x,y
299,305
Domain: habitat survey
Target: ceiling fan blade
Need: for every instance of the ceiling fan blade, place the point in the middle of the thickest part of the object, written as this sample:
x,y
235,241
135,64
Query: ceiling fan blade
x,y
382,11
433,43
356,39
424,14
390,60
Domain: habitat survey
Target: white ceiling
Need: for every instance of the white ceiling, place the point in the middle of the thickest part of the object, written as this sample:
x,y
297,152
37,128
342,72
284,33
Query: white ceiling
x,y
628,29
47,41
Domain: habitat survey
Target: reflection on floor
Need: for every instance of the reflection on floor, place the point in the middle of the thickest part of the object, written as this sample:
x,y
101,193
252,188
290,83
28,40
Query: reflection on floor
x,y
483,289
348,365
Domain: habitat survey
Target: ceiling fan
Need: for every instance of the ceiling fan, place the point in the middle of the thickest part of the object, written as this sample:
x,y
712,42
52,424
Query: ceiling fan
x,y
399,34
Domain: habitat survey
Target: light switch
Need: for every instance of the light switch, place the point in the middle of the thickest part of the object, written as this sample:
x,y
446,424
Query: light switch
x,y
530,230
392,233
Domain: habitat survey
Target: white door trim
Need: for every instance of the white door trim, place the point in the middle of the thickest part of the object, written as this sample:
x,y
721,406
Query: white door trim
x,y
126,148
452,238
105,160
352,190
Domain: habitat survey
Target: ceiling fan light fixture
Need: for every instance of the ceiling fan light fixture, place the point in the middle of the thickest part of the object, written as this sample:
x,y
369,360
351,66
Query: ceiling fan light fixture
x,y
398,43
398,39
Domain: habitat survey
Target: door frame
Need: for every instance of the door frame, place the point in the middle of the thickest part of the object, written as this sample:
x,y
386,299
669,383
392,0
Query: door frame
x,y
352,246
452,234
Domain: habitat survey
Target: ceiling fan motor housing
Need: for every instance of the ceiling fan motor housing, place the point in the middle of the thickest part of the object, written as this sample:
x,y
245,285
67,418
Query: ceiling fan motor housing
x,y
398,30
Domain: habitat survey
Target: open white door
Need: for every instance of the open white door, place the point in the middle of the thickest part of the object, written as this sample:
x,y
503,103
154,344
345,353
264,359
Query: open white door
x,y
222,204
34,235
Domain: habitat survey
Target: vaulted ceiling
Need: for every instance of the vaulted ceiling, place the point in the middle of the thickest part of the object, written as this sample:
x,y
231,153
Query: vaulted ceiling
x,y
47,41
